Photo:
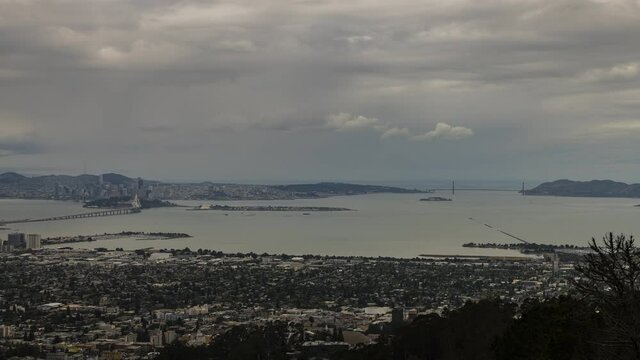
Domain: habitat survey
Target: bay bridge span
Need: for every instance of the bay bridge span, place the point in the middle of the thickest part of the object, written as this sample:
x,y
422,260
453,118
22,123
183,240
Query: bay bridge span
x,y
133,209
110,212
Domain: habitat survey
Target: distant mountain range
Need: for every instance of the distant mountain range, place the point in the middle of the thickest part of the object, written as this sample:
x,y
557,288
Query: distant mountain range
x,y
593,188
91,187
15,178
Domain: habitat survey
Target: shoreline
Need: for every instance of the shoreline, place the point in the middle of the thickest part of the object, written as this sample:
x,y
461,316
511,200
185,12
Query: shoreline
x,y
111,236
269,208
187,252
508,255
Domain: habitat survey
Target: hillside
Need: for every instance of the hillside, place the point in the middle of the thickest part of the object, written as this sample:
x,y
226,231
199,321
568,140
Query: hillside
x,y
11,178
333,188
593,188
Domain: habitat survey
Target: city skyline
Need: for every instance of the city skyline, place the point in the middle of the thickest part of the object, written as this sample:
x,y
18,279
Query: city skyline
x,y
315,90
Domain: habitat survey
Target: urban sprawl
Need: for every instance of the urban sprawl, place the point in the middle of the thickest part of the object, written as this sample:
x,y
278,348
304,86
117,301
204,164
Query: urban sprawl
x,y
64,303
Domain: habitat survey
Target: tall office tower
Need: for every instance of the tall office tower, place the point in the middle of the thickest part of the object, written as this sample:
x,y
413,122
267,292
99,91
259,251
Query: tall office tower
x,y
33,241
17,241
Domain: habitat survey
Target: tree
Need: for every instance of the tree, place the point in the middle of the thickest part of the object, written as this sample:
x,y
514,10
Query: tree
x,y
466,333
143,336
610,280
562,328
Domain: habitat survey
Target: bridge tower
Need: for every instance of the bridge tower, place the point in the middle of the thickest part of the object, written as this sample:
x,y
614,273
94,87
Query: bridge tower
x,y
135,203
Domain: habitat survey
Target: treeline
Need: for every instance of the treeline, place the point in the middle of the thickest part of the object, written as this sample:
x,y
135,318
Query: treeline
x,y
562,328
601,321
271,341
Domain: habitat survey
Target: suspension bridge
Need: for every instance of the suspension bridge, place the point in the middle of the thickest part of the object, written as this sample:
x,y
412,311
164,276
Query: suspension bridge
x,y
453,189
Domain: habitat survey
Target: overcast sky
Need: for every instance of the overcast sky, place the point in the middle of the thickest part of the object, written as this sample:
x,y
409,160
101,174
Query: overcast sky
x,y
312,89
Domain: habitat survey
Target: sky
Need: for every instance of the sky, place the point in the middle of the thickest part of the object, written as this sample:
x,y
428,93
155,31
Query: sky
x,y
372,90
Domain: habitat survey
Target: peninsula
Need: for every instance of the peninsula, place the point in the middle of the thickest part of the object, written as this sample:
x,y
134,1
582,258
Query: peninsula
x,y
565,252
530,247
138,235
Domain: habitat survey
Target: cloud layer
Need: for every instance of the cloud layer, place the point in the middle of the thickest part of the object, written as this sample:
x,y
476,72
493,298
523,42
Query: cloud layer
x,y
16,137
247,89
348,122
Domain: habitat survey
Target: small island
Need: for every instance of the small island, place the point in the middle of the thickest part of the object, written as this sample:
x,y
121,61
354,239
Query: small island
x,y
306,209
436,198
125,201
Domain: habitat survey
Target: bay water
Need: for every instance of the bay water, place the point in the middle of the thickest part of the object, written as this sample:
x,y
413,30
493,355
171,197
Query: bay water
x,y
397,225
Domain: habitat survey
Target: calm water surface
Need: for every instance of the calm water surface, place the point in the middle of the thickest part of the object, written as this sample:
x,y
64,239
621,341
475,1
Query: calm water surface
x,y
384,224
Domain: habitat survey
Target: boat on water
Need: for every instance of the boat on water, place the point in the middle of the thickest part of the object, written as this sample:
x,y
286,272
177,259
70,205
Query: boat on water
x,y
436,198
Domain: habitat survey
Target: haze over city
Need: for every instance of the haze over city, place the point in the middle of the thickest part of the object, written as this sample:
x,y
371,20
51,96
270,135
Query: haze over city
x,y
279,90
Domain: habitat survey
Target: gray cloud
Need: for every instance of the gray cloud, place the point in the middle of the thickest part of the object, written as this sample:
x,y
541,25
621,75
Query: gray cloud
x,y
626,71
348,122
144,85
344,122
17,138
445,131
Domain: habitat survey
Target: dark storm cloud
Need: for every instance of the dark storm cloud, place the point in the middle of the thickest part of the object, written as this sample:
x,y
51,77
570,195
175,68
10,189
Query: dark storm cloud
x,y
143,85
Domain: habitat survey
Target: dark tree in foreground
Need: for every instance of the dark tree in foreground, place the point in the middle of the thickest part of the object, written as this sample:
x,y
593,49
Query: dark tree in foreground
x,y
267,342
609,279
602,323
466,333
563,328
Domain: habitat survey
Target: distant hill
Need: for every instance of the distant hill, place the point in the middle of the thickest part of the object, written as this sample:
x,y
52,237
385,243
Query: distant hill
x,y
65,187
11,178
334,188
117,179
593,188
